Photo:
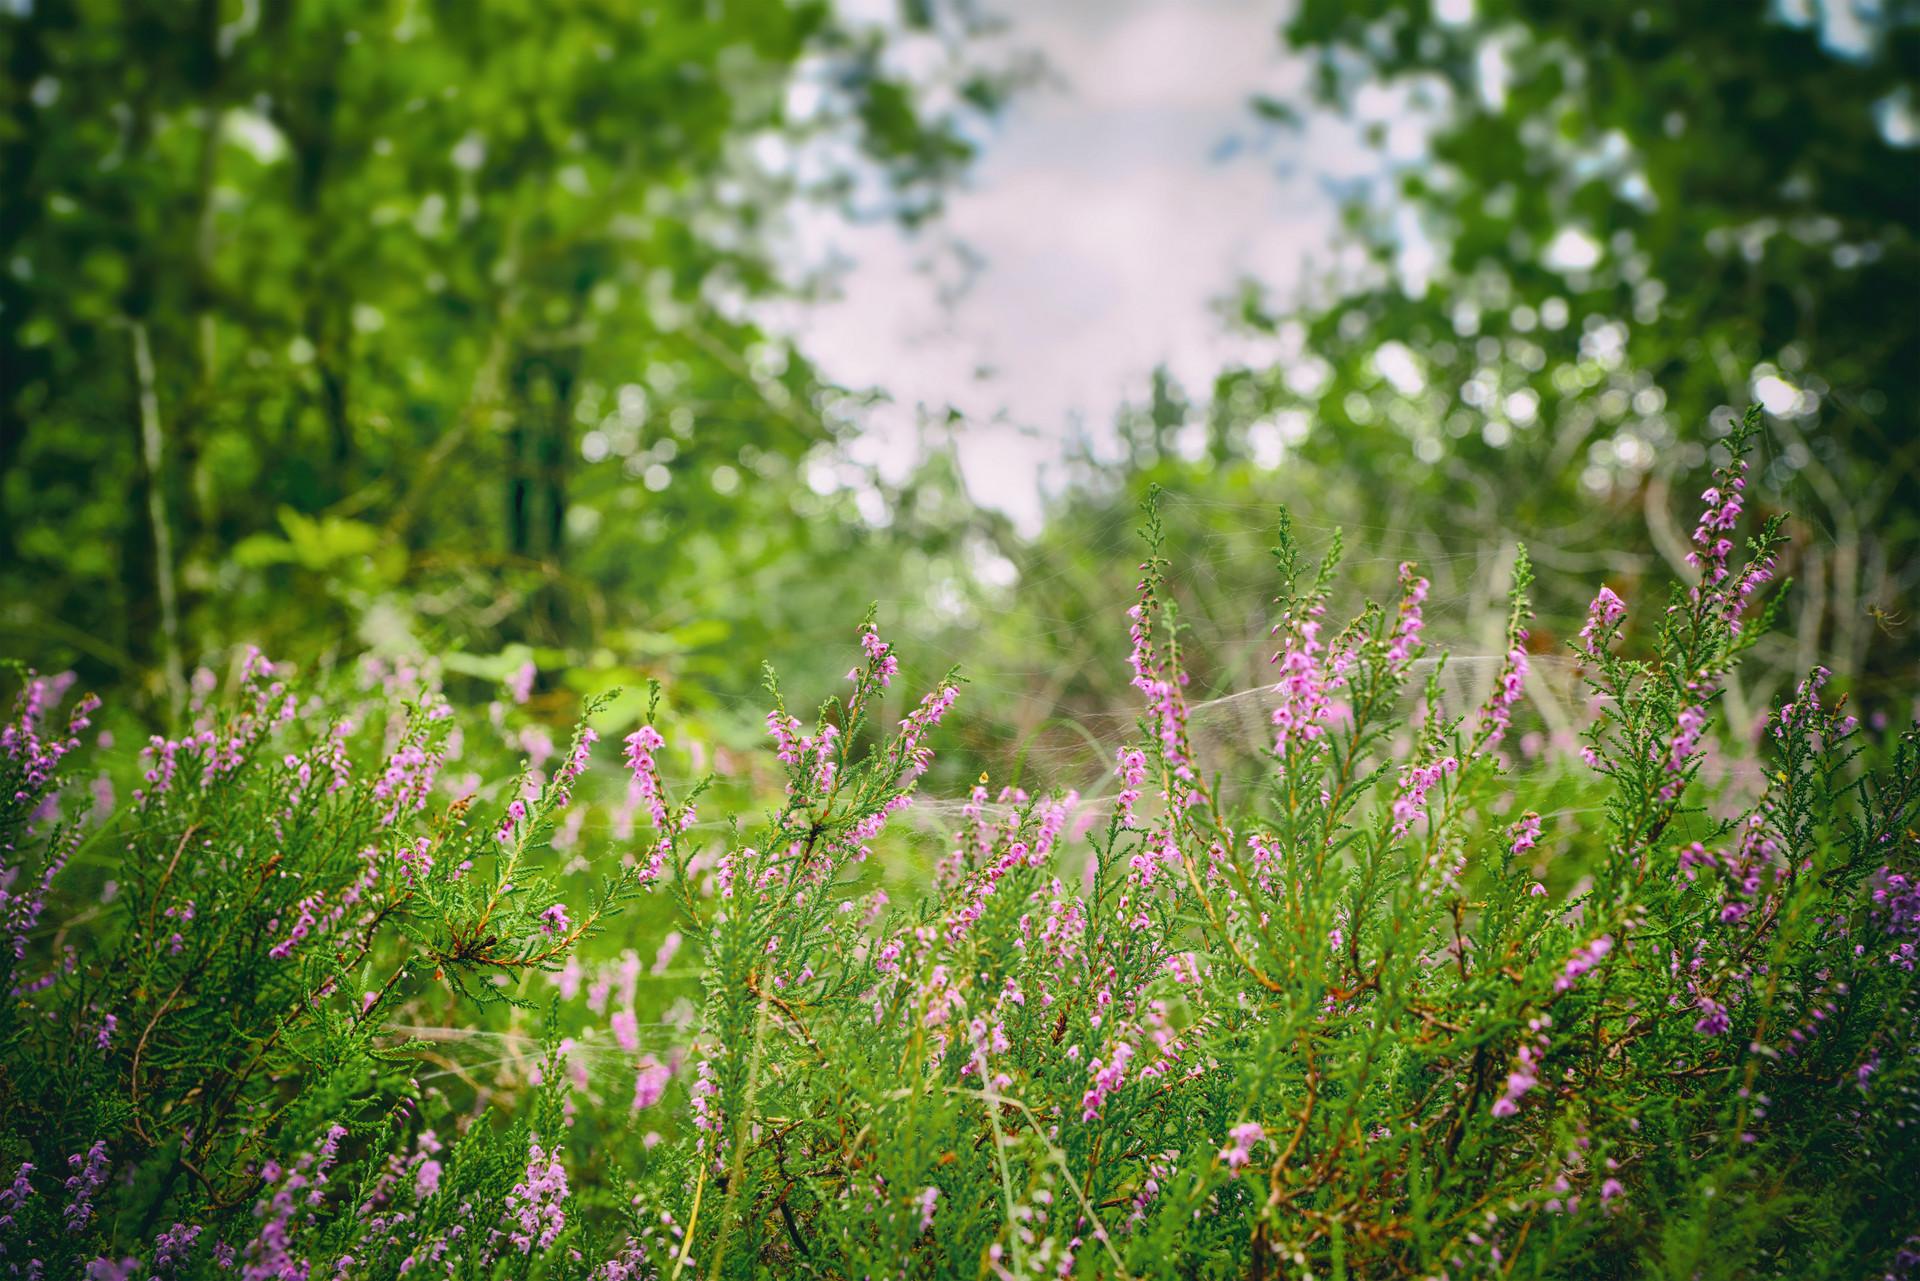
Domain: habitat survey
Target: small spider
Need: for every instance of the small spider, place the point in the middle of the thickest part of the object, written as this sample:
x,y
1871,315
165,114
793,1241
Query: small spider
x,y
1889,622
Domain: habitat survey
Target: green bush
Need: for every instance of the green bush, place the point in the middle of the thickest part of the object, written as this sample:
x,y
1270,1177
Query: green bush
x,y
1387,1007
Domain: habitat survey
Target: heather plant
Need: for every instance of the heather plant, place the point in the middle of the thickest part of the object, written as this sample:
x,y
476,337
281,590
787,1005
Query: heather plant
x,y
1377,1006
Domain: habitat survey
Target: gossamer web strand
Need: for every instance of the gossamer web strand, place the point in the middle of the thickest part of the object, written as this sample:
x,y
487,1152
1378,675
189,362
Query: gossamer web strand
x,y
1235,726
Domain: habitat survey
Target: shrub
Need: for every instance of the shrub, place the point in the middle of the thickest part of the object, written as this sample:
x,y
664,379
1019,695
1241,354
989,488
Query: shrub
x,y
1381,1010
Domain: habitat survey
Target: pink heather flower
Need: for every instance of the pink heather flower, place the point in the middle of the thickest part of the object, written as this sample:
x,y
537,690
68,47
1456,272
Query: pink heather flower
x,y
164,754
1140,658
825,767
1611,1189
787,741
1696,857
302,926
1497,715
1266,859
1415,782
1756,575
944,999
415,861
641,745
88,1177
1132,770
16,1194
554,920
1525,833
103,797
1722,503
536,1209
880,656
1582,961
630,1264
1406,632
1688,726
1896,902
870,826
21,739
1807,709
705,1106
1107,1077
1053,820
515,816
404,783
929,1197
576,763
1714,1020
172,1247
1304,691
650,1083
520,682
656,865
1240,1141
103,1040
330,1145
1603,618
255,665
916,726
1156,676
1519,1081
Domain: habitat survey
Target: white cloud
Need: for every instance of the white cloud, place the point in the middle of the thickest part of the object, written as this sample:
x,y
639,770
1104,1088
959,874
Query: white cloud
x,y
1108,214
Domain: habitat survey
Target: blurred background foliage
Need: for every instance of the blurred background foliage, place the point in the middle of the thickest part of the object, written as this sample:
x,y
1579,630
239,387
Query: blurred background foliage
x,y
336,325
391,327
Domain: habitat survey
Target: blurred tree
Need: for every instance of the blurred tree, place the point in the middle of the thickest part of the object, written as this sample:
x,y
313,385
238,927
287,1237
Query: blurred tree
x,y
1629,222
346,321
1607,230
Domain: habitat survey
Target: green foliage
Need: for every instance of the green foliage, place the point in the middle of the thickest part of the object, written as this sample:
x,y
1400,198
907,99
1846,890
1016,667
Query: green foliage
x,y
1376,1003
419,343
1627,220
354,324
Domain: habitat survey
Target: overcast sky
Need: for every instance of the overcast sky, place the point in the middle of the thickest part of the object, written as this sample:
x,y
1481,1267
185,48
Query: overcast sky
x,y
1108,211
